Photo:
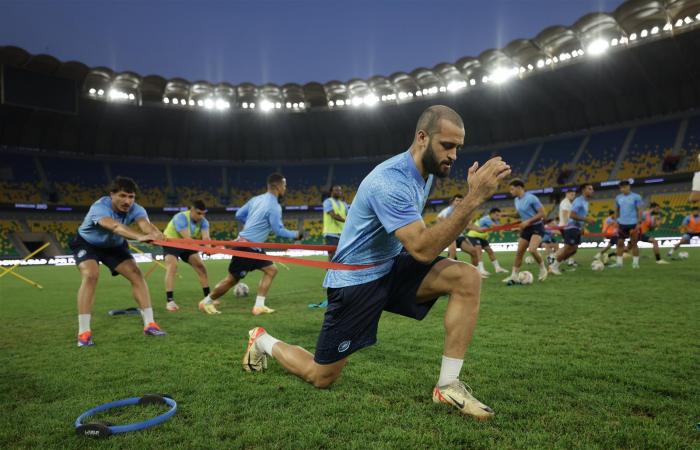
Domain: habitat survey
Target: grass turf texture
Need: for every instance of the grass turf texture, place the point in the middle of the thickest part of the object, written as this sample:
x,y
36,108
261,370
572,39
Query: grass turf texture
x,y
607,360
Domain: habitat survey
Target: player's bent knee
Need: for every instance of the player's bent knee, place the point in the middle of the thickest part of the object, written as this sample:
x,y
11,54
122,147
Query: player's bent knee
x,y
90,276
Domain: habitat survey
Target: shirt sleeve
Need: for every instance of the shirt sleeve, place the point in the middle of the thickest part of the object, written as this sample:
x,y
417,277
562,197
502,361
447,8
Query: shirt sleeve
x,y
242,213
205,224
138,212
327,205
535,203
565,206
277,225
98,211
393,205
180,222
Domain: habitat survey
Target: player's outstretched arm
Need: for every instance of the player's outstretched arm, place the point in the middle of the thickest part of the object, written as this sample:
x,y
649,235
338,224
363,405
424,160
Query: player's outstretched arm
x,y
122,230
424,243
149,229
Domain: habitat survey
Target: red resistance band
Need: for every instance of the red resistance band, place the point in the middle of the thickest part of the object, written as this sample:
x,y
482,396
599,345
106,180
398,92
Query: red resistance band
x,y
184,245
244,243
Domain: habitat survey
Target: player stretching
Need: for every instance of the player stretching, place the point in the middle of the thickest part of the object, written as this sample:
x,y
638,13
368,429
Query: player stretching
x,y
190,224
260,215
690,229
531,213
609,230
629,213
385,229
335,210
100,238
572,231
478,235
650,220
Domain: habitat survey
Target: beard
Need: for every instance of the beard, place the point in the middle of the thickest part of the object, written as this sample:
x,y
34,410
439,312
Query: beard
x,y
432,165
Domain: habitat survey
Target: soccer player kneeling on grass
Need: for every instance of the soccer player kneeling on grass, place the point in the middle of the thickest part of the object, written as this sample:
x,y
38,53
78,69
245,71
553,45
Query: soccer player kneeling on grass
x,y
690,229
100,238
573,229
384,229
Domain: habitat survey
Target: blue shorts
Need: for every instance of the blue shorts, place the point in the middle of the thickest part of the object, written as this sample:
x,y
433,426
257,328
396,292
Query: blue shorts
x,y
239,267
528,232
109,256
479,241
331,240
353,313
572,236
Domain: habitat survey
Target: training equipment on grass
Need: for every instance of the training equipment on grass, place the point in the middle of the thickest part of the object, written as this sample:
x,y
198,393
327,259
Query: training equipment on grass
x,y
597,265
103,430
529,260
121,312
683,255
12,272
241,290
525,277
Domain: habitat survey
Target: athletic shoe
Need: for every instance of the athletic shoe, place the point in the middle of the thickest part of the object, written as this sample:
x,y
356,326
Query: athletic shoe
x,y
254,360
152,329
257,310
509,279
543,275
457,394
615,266
85,339
501,270
483,275
635,266
485,272
661,261
554,270
208,308
172,306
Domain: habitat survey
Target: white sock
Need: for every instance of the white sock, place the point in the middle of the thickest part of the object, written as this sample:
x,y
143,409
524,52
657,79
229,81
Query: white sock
x,y
496,265
635,260
259,300
449,370
570,260
618,259
83,323
555,264
481,266
147,314
207,300
597,255
515,272
265,342
543,266
670,252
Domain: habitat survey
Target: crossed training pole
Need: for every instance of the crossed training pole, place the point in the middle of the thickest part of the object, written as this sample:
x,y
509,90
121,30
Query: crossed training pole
x,y
12,272
156,263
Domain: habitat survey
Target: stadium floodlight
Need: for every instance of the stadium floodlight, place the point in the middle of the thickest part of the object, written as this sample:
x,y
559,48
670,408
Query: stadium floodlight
x,y
266,105
624,40
614,42
200,103
252,105
402,95
340,102
357,101
668,26
191,102
697,16
132,97
548,62
502,74
679,23
302,105
687,20
485,79
209,103
472,82
633,37
100,92
244,105
410,94
166,100
442,89
654,30
644,33
454,86
278,105
540,63
92,91
288,105
371,100
598,47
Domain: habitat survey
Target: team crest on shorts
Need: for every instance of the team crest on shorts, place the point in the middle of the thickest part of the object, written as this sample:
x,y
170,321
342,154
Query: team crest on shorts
x,y
344,346
82,253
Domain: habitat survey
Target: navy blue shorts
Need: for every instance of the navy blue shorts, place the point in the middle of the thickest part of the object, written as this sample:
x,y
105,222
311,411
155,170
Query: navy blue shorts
x,y
625,231
460,240
478,241
531,230
644,238
331,240
689,236
184,255
572,236
239,267
109,256
353,313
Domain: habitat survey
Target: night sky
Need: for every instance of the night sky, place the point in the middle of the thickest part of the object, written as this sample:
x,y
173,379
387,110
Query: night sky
x,y
277,41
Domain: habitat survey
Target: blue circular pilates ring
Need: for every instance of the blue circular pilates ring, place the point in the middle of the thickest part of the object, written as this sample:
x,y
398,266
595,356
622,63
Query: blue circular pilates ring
x,y
106,429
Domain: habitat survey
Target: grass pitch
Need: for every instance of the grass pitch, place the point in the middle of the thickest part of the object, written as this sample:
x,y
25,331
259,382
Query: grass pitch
x,y
586,360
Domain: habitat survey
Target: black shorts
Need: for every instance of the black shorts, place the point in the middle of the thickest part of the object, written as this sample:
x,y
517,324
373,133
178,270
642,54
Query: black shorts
x,y
644,238
624,231
351,321
572,236
689,236
613,240
478,241
109,256
184,255
460,240
529,231
331,240
239,267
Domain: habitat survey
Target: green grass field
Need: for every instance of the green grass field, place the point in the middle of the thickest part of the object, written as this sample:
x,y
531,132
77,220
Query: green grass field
x,y
586,360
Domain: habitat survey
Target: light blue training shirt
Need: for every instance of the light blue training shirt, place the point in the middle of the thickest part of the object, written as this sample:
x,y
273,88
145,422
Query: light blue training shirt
x,y
260,215
628,205
580,208
527,206
92,232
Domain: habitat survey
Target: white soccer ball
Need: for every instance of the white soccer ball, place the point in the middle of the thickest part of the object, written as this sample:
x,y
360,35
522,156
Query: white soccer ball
x,y
529,260
525,277
683,255
597,265
241,290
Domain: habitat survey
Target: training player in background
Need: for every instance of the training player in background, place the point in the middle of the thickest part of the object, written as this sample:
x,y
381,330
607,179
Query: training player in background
x,y
407,275
629,212
100,238
695,189
651,218
531,213
335,210
609,230
564,210
261,215
444,214
571,234
478,235
190,224
549,239
690,228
